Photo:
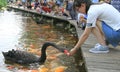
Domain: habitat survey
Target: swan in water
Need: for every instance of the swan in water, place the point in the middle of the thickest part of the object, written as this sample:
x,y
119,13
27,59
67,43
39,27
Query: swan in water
x,y
23,57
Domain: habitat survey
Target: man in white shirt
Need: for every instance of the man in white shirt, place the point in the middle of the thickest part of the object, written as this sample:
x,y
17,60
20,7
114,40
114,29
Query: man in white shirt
x,y
103,20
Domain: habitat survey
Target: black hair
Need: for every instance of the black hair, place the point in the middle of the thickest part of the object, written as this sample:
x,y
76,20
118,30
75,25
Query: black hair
x,y
77,3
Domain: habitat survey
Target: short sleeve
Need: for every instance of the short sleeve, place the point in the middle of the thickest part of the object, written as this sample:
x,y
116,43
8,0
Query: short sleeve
x,y
92,17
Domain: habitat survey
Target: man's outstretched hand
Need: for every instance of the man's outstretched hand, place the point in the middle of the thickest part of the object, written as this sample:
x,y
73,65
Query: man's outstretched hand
x,y
72,51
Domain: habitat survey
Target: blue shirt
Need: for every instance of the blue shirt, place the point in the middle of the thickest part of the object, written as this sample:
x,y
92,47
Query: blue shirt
x,y
116,4
23,0
95,1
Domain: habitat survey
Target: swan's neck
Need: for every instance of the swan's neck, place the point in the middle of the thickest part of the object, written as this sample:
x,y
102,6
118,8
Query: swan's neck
x,y
43,50
43,55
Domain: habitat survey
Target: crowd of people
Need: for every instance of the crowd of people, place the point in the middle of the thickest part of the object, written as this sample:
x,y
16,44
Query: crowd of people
x,y
60,7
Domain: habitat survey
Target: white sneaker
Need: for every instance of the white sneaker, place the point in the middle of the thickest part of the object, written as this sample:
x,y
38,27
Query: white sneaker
x,y
99,49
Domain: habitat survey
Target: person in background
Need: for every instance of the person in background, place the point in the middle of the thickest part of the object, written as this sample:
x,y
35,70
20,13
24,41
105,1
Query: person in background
x,y
19,3
29,4
24,3
103,21
81,18
106,1
46,8
36,4
51,3
59,2
95,1
69,9
116,4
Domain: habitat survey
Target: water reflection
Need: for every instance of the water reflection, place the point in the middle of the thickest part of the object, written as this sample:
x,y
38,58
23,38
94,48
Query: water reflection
x,y
9,33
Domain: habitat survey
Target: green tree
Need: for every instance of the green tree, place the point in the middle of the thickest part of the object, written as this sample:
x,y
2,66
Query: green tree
x,y
3,3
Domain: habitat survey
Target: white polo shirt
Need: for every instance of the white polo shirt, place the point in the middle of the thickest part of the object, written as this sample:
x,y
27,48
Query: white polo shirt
x,y
104,12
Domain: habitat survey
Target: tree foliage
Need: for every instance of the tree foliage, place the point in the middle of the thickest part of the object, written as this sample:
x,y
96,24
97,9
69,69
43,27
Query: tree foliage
x,y
3,3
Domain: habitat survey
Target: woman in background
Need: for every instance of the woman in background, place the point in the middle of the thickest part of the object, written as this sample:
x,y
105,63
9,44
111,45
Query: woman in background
x,y
116,4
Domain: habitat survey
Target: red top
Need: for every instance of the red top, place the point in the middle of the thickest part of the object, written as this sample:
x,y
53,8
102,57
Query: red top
x,y
46,9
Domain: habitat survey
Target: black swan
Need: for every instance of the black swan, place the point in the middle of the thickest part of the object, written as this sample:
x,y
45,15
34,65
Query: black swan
x,y
23,57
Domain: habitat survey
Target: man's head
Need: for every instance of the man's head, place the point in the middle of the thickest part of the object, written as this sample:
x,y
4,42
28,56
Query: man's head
x,y
82,6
